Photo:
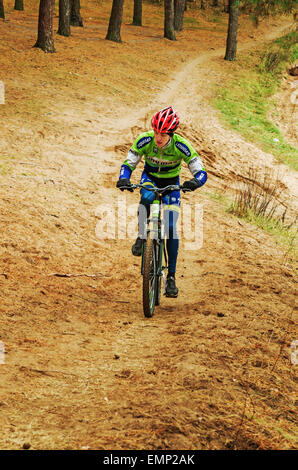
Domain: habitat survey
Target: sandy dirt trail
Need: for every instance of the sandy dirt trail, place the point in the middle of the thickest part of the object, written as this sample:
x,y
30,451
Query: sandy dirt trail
x,y
201,124
83,367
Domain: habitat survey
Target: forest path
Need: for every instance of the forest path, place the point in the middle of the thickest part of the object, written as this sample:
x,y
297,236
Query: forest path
x,y
83,367
226,152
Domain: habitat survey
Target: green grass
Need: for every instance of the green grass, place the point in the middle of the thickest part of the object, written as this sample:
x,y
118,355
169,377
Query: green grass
x,y
218,197
193,23
290,41
190,22
246,100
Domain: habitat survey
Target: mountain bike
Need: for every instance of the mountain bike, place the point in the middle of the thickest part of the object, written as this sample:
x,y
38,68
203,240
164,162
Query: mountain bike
x,y
154,255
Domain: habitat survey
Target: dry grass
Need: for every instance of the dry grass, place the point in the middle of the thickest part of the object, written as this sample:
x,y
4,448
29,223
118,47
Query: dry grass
x,y
259,199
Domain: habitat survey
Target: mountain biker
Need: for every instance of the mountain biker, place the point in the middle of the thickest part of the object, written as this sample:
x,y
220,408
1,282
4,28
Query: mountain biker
x,y
163,151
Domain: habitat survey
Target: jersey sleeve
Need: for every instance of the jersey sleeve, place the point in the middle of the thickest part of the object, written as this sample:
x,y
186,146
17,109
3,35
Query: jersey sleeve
x,y
190,156
195,165
137,150
132,159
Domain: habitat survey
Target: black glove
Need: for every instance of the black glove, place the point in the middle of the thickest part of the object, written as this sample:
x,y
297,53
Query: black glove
x,y
191,184
124,183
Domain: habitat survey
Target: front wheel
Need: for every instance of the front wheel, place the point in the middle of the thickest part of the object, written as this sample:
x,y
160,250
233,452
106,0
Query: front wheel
x,y
149,277
159,257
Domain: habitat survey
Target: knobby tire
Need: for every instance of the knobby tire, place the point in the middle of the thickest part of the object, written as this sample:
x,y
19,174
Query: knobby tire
x,y
149,277
159,255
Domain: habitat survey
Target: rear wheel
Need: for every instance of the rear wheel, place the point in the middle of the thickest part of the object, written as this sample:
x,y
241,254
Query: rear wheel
x,y
149,277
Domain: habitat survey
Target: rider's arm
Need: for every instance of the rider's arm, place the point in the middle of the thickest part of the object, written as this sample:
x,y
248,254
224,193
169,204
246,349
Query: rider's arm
x,y
129,164
197,170
135,154
192,159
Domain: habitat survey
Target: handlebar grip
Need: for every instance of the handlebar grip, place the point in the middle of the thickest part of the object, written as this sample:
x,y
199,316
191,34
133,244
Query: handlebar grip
x,y
129,188
185,190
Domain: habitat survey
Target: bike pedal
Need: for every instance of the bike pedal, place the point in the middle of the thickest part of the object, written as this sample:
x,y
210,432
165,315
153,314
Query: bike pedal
x,y
172,296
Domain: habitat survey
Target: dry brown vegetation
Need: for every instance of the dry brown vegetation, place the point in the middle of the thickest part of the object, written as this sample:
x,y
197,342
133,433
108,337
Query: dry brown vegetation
x,y
83,367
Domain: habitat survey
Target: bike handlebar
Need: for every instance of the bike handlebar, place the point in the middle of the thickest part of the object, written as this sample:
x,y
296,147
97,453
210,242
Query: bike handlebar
x,y
171,187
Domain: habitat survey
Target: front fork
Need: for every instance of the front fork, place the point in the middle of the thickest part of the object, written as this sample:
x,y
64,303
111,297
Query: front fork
x,y
157,233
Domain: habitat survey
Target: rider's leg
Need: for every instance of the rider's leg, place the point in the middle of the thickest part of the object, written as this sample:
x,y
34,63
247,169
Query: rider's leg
x,y
171,214
172,242
170,217
147,198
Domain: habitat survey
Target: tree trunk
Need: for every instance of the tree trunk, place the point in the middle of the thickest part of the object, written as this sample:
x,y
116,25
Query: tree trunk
x,y
137,12
115,22
179,8
203,7
2,15
169,32
45,26
231,45
19,5
75,15
226,6
64,18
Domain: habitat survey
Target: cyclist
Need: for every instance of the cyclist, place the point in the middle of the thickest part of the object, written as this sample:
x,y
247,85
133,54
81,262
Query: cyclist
x,y
163,151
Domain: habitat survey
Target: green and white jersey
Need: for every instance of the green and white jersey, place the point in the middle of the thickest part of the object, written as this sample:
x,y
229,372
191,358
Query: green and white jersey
x,y
165,162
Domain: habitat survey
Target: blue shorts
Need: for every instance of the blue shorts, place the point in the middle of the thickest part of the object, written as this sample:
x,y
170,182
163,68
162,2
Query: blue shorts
x,y
170,201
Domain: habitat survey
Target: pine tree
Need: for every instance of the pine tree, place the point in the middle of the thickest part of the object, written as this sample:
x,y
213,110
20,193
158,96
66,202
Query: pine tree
x,y
231,44
45,26
64,18
75,13
257,9
169,32
137,12
115,22
2,14
19,5
263,8
179,8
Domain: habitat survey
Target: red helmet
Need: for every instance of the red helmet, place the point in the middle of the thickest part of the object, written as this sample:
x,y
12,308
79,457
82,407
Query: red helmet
x,y
165,121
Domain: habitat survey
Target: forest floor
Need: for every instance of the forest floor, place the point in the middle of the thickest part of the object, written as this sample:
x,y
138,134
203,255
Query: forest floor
x,y
83,368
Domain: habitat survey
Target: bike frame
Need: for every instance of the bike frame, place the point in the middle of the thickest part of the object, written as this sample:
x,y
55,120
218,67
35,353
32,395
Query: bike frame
x,y
155,227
